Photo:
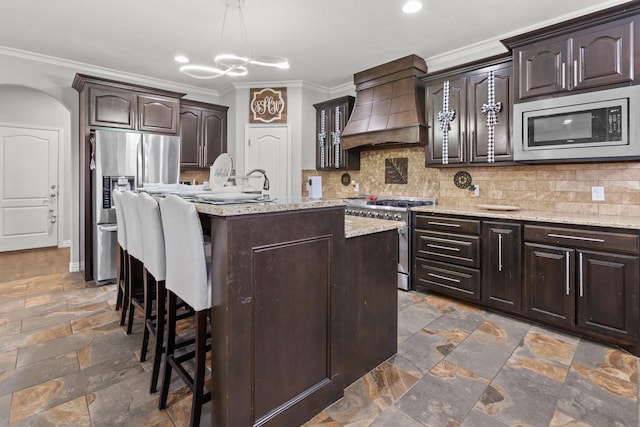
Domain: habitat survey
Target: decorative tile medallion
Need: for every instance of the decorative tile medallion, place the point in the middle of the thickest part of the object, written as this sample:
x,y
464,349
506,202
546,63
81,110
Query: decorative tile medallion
x,y
396,170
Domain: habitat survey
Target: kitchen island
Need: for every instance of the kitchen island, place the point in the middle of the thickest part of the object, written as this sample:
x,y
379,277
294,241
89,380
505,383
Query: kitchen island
x,y
282,313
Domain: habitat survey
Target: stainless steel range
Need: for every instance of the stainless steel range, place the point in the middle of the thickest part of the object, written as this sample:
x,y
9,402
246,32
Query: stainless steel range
x,y
397,209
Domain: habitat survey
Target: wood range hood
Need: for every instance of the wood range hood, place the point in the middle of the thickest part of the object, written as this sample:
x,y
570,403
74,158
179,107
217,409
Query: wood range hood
x,y
389,106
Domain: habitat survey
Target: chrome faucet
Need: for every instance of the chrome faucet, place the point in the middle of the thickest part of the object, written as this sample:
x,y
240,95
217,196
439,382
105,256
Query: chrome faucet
x,y
261,171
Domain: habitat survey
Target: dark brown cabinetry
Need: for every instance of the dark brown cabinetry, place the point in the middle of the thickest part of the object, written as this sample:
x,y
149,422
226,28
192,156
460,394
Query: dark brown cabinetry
x,y
126,109
158,114
372,318
447,256
331,118
582,279
502,265
548,282
587,279
468,93
592,51
203,132
278,329
111,108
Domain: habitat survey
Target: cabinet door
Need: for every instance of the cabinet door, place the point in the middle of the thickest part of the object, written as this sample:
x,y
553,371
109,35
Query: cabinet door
x,y
327,156
542,68
158,114
323,141
214,135
603,57
501,265
190,125
548,283
111,108
477,120
457,133
607,298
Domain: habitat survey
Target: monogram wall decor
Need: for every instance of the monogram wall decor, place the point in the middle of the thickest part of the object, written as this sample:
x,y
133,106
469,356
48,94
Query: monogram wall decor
x,y
268,105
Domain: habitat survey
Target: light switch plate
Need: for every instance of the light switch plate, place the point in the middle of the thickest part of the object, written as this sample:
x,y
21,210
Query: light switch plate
x,y
597,194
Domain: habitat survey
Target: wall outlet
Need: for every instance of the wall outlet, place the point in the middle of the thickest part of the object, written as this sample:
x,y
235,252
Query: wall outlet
x,y
597,194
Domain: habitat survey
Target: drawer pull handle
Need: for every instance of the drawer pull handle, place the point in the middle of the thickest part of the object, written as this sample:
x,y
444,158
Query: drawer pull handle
x,y
443,277
444,224
448,248
586,239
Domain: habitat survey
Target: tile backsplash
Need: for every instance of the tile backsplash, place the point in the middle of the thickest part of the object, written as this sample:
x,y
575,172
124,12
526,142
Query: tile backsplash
x,y
554,188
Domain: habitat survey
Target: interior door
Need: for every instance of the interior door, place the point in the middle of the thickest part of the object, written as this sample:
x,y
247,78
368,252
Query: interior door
x,y
267,147
28,188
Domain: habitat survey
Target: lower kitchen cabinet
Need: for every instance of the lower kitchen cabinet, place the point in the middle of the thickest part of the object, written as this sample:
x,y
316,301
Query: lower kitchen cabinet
x,y
581,279
502,265
548,283
584,279
607,293
447,256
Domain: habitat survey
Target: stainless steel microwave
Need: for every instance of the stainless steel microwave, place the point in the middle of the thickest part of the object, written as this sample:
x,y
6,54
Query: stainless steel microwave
x,y
602,125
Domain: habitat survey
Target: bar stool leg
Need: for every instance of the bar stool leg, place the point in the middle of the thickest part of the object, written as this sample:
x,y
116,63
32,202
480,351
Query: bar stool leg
x,y
200,359
161,311
148,313
169,348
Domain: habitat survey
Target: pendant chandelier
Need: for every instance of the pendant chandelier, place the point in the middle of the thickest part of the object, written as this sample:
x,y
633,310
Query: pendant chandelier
x,y
233,55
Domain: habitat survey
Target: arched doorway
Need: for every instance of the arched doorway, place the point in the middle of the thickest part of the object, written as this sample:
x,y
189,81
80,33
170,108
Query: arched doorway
x,y
35,130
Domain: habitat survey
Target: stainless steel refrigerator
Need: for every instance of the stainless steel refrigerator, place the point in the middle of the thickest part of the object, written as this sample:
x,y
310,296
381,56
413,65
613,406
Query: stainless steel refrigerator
x,y
125,160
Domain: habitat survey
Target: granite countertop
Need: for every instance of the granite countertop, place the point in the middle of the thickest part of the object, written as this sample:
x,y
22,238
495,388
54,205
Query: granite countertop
x,y
358,226
354,226
615,221
291,204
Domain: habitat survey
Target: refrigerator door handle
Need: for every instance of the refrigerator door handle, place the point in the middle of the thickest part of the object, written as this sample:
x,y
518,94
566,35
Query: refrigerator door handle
x,y
139,164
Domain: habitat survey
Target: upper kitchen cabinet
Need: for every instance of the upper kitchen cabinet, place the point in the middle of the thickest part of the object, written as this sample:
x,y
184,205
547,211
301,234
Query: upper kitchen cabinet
x,y
586,53
331,118
120,105
203,132
470,106
158,113
111,108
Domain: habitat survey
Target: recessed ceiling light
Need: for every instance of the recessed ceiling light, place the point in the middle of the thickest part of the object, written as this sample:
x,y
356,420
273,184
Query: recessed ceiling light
x,y
412,6
181,59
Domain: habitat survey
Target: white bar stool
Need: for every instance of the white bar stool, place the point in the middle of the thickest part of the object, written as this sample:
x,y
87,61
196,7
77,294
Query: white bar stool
x,y
121,257
188,278
135,258
154,281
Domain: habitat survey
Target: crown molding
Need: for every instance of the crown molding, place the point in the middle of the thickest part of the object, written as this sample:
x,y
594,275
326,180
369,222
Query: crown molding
x,y
80,67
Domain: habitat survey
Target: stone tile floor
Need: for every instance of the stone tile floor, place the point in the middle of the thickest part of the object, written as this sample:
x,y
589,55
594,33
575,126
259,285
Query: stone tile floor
x,y
65,361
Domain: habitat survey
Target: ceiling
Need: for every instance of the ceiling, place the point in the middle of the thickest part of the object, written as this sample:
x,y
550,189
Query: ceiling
x,y
325,41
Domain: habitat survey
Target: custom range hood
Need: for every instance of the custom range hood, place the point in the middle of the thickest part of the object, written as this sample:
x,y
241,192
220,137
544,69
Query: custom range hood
x,y
389,106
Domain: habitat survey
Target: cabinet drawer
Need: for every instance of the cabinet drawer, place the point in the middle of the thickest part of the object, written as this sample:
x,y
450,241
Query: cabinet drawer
x,y
451,225
446,278
601,240
451,248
